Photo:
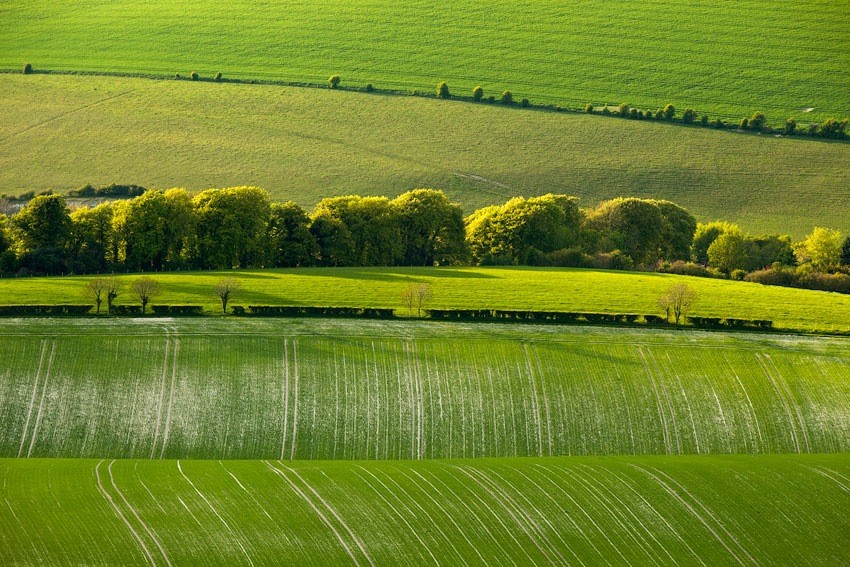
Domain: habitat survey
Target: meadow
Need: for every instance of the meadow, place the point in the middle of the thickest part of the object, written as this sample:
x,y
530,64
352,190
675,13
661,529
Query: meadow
x,y
351,390
524,288
554,511
62,132
723,58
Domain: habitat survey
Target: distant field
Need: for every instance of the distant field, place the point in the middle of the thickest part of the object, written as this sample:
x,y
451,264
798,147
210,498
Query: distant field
x,y
553,289
61,132
725,58
319,389
777,510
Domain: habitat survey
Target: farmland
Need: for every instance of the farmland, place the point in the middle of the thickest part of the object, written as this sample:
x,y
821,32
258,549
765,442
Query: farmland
x,y
722,58
306,144
368,391
554,511
543,289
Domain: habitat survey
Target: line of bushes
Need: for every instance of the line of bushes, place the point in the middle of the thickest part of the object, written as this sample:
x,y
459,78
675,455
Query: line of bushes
x,y
312,311
730,322
177,309
56,309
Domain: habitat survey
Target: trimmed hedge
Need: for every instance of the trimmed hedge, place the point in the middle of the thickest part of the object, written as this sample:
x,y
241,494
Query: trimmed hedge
x,y
515,315
237,310
58,309
126,310
310,311
177,309
730,322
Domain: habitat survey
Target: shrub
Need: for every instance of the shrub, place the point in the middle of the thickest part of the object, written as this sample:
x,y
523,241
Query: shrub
x,y
334,81
507,97
655,319
194,76
832,128
477,94
682,268
621,261
369,88
633,113
524,103
704,120
745,123
669,112
217,76
718,123
605,110
443,90
757,121
640,114
27,68
237,310
813,128
588,108
790,126
491,99
415,92
623,109
571,258
689,115
738,275
561,109
176,75
659,114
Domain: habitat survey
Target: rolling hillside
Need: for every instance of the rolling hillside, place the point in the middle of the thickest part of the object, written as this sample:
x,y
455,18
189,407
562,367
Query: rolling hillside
x,y
62,132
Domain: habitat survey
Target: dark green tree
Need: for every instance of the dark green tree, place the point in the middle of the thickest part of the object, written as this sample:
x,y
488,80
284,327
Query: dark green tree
x,y
477,94
231,227
669,112
432,229
443,90
844,260
291,244
334,81
45,222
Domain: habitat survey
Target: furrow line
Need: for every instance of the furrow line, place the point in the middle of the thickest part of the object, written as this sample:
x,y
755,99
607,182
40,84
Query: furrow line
x,y
295,404
665,431
170,399
793,402
545,399
32,398
120,514
535,401
669,401
784,403
41,401
136,514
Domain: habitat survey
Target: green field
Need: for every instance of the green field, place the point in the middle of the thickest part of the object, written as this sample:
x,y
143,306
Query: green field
x,y
554,511
324,389
62,132
541,289
723,58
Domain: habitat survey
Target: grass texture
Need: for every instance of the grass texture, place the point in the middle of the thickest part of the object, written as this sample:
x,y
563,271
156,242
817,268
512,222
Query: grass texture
x,y
541,289
62,132
376,391
777,510
723,58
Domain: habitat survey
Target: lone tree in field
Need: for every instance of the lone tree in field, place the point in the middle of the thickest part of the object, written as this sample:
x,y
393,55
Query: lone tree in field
x,y
678,299
443,90
334,81
97,289
112,291
408,298
227,289
145,289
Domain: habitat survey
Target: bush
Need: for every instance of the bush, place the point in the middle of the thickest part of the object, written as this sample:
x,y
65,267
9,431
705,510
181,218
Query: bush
x,y
669,112
745,123
177,309
605,110
535,257
623,109
443,90
834,129
561,109
176,75
775,275
127,309
491,99
790,126
56,309
570,258
621,261
588,109
813,128
334,81
689,115
416,92
477,94
633,113
217,76
659,114
738,275
655,319
507,97
682,268
524,103
237,310
194,76
718,123
369,88
757,121
27,68
704,120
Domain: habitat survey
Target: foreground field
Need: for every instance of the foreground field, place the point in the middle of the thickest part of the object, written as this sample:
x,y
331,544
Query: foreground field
x,y
543,289
712,56
305,144
359,390
779,510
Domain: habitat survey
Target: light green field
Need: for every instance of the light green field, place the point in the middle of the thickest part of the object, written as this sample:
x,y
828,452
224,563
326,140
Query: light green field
x,y
723,58
62,132
373,390
541,289
777,510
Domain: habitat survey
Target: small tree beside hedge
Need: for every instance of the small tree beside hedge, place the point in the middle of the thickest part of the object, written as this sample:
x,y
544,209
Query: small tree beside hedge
x,y
669,112
334,81
27,69
689,115
477,94
194,76
443,90
507,97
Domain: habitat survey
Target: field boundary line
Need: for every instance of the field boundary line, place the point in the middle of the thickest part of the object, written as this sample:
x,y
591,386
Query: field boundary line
x,y
161,396
41,401
784,403
120,514
32,398
214,511
793,401
170,399
136,514
665,432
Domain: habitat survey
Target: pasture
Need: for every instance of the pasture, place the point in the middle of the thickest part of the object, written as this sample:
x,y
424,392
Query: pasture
x,y
327,390
773,510
723,58
541,289
62,132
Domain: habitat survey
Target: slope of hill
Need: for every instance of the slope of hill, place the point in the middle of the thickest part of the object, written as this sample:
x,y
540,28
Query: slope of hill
x,y
723,58
305,144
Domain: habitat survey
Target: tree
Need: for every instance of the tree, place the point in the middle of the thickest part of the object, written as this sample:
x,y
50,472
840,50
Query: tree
x,y
408,298
443,90
757,121
636,226
678,231
845,252
689,115
92,237
679,299
431,228
334,81
96,289
145,289
45,222
336,247
372,227
112,292
423,296
623,109
665,303
231,229
705,235
728,252
507,97
822,248
477,94
291,244
790,126
669,112
226,289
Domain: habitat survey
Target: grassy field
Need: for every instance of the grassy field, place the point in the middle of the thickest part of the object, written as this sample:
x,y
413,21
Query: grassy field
x,y
375,391
543,289
777,510
722,58
61,132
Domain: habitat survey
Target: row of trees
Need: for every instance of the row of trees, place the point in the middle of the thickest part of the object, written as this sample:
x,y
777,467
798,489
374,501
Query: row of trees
x,y
241,228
